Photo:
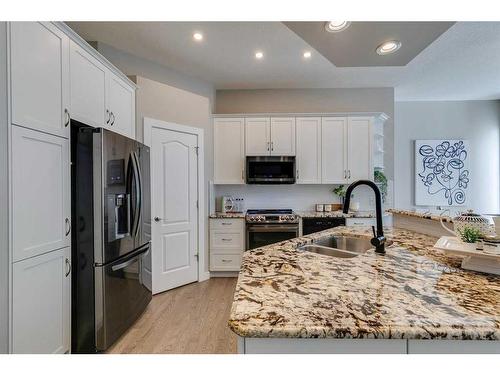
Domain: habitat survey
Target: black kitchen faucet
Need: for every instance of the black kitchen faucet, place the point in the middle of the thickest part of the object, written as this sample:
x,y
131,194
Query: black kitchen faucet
x,y
378,239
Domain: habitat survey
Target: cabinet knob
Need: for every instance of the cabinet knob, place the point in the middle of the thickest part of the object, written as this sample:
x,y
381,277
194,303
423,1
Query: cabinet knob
x,y
157,219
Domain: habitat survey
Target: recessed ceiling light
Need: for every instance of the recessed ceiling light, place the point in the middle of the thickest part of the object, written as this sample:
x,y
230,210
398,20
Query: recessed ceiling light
x,y
198,36
336,26
307,55
259,55
388,47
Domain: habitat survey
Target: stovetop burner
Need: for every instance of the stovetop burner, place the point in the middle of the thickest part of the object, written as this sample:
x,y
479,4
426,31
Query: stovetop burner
x,y
270,216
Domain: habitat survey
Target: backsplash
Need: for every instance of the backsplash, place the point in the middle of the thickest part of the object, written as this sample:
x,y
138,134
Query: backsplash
x,y
297,197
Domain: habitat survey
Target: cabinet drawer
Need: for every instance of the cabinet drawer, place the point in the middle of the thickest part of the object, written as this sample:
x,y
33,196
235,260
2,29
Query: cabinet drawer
x,y
226,240
228,224
225,262
360,221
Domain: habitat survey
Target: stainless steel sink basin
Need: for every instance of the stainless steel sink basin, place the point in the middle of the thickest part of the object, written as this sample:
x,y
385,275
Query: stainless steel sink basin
x,y
340,246
328,251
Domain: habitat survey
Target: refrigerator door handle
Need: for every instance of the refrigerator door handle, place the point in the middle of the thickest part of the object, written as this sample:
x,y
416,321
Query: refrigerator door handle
x,y
139,193
131,259
134,172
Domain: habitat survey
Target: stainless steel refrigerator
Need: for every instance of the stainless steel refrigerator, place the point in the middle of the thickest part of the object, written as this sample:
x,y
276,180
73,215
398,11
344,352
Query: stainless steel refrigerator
x,y
110,244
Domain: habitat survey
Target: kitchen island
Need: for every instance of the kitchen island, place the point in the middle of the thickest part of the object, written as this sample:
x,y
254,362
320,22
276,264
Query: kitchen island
x,y
413,299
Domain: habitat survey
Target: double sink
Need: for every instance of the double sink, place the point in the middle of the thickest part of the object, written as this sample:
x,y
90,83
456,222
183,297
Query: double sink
x,y
340,246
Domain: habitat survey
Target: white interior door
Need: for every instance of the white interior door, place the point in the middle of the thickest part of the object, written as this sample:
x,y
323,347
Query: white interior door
x,y
174,178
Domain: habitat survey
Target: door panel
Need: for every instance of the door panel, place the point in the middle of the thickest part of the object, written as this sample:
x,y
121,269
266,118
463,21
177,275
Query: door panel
x,y
229,151
40,193
283,136
121,103
41,303
360,149
88,88
257,136
308,150
174,206
333,150
39,76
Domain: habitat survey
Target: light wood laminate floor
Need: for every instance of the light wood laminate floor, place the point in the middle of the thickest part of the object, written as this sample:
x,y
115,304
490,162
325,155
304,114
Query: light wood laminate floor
x,y
189,319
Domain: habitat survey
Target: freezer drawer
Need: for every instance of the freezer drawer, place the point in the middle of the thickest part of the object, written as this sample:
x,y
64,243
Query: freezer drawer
x,y
120,296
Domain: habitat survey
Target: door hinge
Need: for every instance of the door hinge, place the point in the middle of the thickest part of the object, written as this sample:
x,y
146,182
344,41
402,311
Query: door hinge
x,y
197,204
197,255
197,149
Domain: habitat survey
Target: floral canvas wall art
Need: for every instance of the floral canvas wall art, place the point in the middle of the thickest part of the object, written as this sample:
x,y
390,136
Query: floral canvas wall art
x,y
442,174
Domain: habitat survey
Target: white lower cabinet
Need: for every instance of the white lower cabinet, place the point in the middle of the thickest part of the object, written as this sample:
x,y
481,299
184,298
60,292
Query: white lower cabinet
x,y
41,303
227,244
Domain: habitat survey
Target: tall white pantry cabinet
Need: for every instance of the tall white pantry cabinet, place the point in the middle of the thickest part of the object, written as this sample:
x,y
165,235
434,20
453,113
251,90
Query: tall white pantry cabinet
x,y
48,73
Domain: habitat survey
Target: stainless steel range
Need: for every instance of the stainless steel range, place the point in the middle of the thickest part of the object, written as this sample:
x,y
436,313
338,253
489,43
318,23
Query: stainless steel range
x,y
265,227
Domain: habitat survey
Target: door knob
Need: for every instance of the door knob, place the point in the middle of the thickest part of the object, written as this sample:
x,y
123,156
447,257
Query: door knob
x,y
157,219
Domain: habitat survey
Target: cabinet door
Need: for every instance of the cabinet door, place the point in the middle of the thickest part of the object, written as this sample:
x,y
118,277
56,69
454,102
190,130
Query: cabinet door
x,y
39,77
229,151
308,150
121,105
41,303
360,165
40,193
334,150
88,88
257,136
283,136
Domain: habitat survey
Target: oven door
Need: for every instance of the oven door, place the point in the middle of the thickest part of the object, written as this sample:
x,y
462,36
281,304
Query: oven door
x,y
265,234
270,169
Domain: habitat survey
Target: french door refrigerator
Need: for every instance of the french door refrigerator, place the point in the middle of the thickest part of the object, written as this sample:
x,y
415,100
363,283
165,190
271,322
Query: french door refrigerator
x,y
110,245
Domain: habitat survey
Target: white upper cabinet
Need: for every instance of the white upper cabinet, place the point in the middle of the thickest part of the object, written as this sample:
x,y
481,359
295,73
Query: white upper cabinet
x,y
121,106
257,136
41,208
88,88
308,158
41,303
229,150
283,136
359,149
39,77
334,150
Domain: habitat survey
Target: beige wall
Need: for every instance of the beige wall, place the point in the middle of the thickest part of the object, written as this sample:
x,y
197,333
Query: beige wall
x,y
167,103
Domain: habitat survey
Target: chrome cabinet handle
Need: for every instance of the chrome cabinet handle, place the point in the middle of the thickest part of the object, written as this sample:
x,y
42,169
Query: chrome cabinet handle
x,y
68,226
227,223
242,174
112,121
272,146
109,116
297,174
226,239
68,267
157,219
349,174
268,146
67,117
226,261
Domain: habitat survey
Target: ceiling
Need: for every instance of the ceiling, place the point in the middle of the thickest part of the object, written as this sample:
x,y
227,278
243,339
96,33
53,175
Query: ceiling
x,y
461,64
356,45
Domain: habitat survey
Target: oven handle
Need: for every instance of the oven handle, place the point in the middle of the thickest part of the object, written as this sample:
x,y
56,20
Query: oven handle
x,y
272,228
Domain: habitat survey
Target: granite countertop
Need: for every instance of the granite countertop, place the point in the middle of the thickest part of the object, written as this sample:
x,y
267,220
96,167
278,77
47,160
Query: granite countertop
x,y
411,292
228,215
360,214
422,215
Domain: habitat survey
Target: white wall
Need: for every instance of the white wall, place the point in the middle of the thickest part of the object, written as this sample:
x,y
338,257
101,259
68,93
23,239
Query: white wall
x,y
4,248
476,121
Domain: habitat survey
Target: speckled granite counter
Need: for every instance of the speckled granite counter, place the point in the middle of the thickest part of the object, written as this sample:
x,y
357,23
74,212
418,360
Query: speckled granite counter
x,y
360,214
421,215
228,215
412,292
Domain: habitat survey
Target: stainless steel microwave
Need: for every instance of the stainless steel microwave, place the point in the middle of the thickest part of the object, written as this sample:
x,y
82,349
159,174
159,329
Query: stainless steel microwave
x,y
270,170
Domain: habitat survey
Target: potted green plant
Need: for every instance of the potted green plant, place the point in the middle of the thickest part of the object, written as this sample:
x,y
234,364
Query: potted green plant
x,y
469,236
381,181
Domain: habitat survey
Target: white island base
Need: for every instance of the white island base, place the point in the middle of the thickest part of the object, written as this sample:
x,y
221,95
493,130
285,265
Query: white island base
x,y
249,345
